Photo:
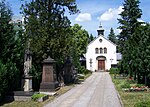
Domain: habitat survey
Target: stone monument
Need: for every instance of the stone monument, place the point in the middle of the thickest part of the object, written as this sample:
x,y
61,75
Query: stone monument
x,y
27,79
70,72
49,82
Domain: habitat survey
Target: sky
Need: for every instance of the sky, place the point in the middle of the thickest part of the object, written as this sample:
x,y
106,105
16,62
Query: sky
x,y
94,12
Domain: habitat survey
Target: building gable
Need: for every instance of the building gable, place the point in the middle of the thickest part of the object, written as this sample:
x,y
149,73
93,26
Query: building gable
x,y
101,36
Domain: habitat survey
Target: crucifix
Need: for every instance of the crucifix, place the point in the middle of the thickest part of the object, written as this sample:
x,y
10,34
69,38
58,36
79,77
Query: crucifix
x,y
111,60
91,62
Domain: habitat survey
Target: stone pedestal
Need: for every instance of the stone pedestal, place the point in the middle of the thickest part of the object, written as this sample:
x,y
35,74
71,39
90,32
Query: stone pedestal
x,y
27,83
49,82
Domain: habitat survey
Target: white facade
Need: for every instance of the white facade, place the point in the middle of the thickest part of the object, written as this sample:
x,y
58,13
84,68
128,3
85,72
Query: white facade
x,y
100,60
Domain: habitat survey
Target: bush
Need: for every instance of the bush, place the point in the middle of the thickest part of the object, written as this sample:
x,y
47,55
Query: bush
x,y
139,85
142,104
8,78
83,70
125,84
3,83
37,96
113,71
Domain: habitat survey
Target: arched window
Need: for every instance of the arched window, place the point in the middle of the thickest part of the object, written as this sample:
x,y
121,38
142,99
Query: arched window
x,y
101,50
105,50
96,50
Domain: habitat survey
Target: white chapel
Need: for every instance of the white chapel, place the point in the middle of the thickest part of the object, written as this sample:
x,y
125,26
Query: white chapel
x,y
100,53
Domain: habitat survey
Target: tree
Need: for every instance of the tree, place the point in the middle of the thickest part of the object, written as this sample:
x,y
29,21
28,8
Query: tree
x,y
141,55
80,39
112,36
11,51
91,38
128,21
48,28
128,25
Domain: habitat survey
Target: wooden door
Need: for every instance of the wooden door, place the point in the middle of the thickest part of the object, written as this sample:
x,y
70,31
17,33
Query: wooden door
x,y
101,64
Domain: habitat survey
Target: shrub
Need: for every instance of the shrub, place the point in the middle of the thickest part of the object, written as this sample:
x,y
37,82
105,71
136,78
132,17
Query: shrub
x,y
113,71
83,70
37,96
3,83
142,104
131,80
125,84
139,85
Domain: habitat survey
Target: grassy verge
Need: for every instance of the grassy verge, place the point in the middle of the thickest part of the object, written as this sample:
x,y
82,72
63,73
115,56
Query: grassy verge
x,y
130,99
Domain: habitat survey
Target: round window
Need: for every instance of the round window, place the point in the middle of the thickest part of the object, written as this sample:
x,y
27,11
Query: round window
x,y
100,40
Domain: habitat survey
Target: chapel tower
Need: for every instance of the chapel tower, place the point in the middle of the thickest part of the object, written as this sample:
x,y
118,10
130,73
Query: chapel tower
x,y
100,30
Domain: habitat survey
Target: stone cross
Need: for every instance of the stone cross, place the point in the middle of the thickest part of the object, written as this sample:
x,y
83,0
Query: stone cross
x,y
91,62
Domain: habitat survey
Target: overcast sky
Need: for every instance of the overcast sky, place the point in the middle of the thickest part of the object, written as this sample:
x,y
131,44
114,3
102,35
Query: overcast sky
x,y
95,11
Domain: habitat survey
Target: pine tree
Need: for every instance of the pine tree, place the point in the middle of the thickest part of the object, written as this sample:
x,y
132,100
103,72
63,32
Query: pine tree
x,y
128,21
91,38
112,36
10,51
128,25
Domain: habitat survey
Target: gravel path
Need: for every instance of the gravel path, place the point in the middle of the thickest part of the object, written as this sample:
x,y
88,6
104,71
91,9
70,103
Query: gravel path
x,y
96,91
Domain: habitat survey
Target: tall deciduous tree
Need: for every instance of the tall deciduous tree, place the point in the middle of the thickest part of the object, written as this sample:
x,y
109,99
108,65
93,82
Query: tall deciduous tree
x,y
79,42
112,36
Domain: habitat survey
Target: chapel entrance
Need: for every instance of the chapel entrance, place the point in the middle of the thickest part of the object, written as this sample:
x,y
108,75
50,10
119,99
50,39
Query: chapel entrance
x,y
101,64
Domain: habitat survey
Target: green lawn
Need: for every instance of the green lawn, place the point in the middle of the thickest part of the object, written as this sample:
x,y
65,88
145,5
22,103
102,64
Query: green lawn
x,y
129,99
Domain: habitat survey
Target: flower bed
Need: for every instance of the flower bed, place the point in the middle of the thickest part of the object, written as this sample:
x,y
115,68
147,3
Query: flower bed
x,y
136,89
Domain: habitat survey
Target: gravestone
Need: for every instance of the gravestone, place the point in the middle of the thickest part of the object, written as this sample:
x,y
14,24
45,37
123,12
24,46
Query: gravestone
x,y
70,72
49,82
27,78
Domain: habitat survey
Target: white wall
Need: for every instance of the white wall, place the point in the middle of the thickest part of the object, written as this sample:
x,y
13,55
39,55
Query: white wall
x,y
111,53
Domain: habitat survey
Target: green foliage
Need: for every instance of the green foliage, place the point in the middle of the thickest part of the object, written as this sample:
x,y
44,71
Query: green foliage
x,y
48,28
125,84
11,51
139,85
8,77
112,36
83,70
128,22
91,38
142,104
78,44
37,96
114,71
3,82
134,41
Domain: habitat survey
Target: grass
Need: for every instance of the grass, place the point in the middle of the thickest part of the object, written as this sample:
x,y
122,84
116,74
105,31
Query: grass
x,y
129,99
37,96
